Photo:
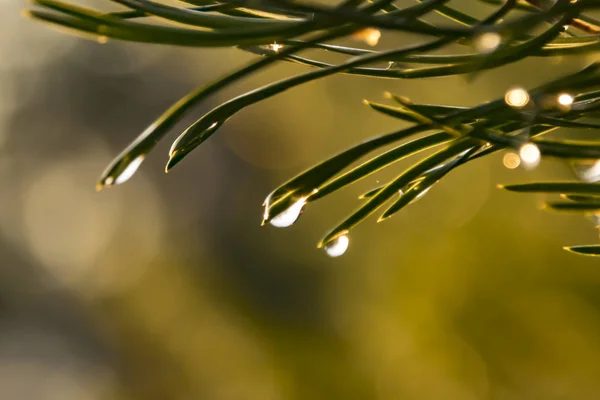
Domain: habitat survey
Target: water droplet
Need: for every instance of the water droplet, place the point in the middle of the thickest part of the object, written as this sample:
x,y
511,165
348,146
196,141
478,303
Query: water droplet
x,y
129,170
289,216
530,155
370,36
565,99
511,160
338,246
275,47
517,97
488,42
588,172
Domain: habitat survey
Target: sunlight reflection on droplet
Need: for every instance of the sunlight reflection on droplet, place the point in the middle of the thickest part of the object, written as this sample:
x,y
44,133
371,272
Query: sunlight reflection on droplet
x,y
276,47
129,170
338,246
370,36
588,172
511,160
530,155
289,216
565,99
517,97
488,42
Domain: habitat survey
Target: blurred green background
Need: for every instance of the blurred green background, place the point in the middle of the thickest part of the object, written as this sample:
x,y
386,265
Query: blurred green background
x,y
168,287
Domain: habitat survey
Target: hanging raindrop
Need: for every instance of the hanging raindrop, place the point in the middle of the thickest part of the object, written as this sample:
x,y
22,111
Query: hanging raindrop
x,y
588,172
128,172
370,36
511,160
289,216
565,101
530,155
487,42
337,246
517,97
275,47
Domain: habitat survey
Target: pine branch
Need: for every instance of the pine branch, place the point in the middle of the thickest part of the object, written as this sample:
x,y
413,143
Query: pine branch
x,y
276,30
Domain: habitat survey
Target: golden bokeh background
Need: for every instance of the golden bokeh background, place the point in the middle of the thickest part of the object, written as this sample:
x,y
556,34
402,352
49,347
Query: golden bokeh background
x,y
167,287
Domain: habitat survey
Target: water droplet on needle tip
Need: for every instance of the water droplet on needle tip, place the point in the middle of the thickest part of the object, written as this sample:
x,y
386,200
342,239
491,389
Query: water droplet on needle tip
x,y
530,155
289,216
488,42
337,246
516,97
128,172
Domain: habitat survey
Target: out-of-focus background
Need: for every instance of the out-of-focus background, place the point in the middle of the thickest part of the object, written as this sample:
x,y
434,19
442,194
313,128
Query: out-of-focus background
x,y
168,287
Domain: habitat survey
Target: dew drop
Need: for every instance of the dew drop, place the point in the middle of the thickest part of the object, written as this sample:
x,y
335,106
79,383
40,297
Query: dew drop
x,y
517,97
370,36
129,170
338,246
289,216
588,172
275,47
488,42
511,160
565,99
530,155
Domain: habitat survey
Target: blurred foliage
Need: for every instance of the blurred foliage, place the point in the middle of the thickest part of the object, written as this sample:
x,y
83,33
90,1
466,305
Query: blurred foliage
x,y
168,288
